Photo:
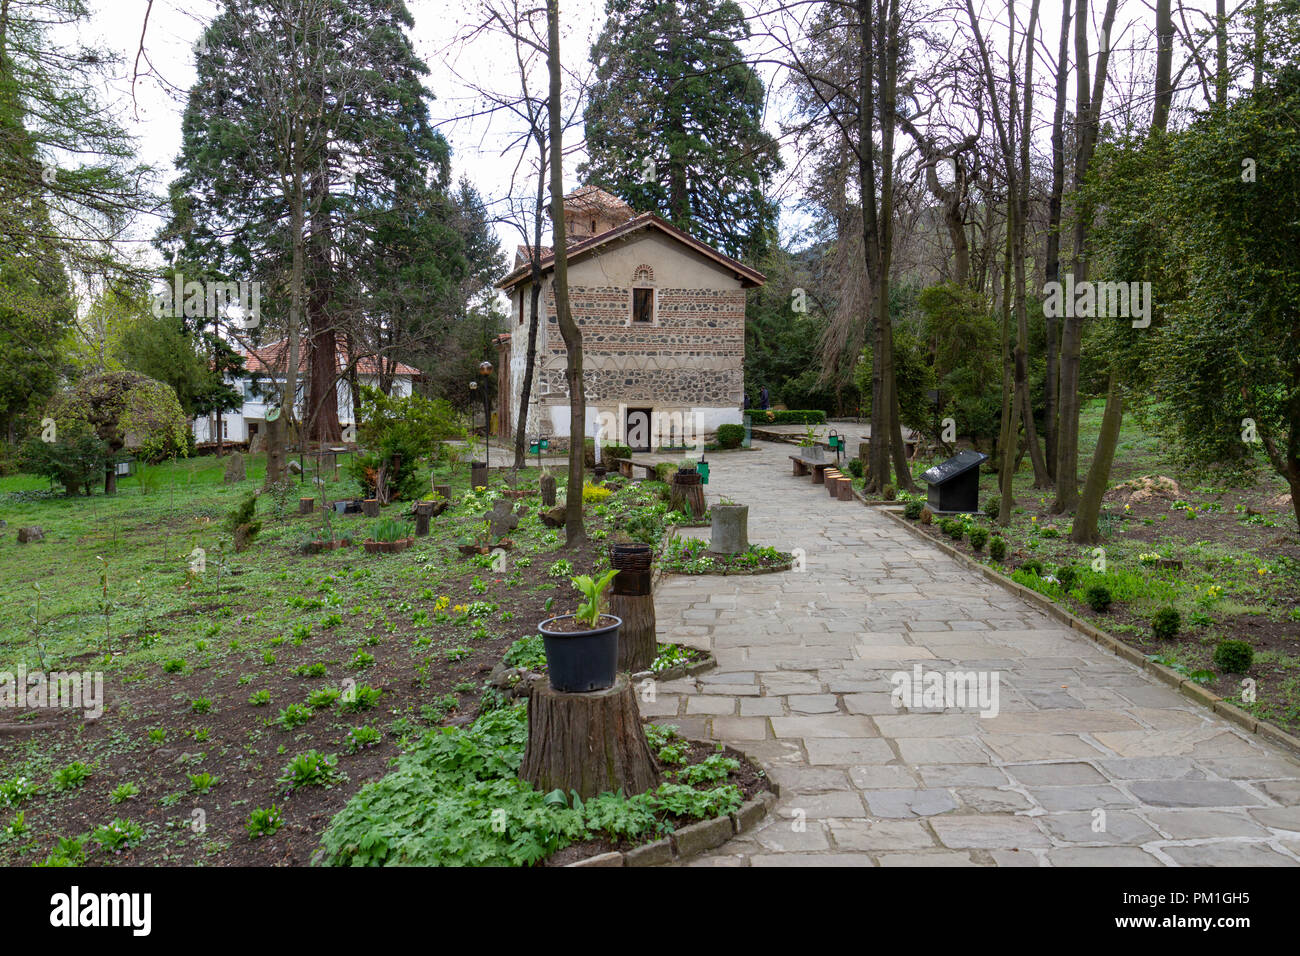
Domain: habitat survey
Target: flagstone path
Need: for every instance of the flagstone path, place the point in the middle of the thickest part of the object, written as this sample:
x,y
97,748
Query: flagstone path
x,y
1089,761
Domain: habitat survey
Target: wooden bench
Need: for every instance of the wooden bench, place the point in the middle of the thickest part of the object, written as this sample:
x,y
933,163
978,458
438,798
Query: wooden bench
x,y
814,466
625,466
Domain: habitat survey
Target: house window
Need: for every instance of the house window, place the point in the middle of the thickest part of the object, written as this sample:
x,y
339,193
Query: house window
x,y
643,305
521,305
225,428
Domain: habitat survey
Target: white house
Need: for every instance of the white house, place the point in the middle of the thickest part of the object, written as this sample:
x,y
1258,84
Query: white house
x,y
268,363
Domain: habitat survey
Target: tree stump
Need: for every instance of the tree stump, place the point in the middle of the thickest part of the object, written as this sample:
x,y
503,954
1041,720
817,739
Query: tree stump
x,y
478,474
370,507
443,492
688,496
548,491
423,512
592,743
306,505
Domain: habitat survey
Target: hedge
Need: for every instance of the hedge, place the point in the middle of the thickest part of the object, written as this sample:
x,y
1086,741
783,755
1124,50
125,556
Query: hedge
x,y
790,417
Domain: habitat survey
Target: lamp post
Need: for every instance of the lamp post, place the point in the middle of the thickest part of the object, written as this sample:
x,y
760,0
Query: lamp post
x,y
485,370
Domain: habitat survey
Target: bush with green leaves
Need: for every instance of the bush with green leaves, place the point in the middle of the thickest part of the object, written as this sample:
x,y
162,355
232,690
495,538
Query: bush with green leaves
x,y
997,548
978,538
527,652
410,426
70,777
1068,575
76,463
1098,597
310,769
730,436
455,798
856,468
992,506
1233,656
1165,624
913,510
1032,566
263,822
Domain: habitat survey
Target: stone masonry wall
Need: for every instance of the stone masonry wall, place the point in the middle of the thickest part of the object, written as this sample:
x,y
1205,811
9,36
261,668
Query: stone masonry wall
x,y
690,355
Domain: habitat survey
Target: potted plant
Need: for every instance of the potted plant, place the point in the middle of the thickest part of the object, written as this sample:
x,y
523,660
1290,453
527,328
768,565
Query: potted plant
x,y
810,445
389,535
582,648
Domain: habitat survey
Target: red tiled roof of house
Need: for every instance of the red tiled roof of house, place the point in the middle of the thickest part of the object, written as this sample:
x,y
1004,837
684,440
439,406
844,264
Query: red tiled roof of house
x,y
271,359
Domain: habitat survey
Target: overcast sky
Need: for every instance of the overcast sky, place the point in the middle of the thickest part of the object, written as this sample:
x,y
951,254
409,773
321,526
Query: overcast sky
x,y
481,150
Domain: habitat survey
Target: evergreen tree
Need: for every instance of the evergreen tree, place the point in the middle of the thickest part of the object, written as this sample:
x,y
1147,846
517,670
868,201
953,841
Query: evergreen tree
x,y
674,121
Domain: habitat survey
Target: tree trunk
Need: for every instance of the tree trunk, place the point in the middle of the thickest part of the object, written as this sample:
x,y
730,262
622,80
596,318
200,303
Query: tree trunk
x,y
1089,510
569,331
592,743
1053,264
688,499
534,301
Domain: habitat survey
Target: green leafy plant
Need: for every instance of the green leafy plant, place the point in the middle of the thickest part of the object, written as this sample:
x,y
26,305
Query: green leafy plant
x,y
123,792
119,835
1098,597
1165,624
263,821
361,697
201,782
358,738
70,777
992,506
997,548
389,529
310,769
978,538
912,510
295,715
592,590
1233,656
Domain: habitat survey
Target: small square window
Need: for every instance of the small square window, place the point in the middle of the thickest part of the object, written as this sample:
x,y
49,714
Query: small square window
x,y
643,305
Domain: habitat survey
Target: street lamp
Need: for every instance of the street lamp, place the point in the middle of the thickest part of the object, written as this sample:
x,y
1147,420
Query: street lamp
x,y
485,369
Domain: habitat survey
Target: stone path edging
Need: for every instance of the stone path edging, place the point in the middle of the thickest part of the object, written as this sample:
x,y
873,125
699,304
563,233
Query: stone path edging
x,y
1188,688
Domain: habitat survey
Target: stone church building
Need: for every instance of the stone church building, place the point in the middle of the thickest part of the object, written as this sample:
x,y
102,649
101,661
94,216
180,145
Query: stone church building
x,y
663,330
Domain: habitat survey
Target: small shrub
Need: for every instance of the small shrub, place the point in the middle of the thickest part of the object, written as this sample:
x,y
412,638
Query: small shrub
x,y
978,538
856,468
889,492
927,516
913,510
992,506
956,530
997,548
730,436
295,715
1233,657
310,769
1165,625
1067,574
1033,567
263,822
70,777
1098,598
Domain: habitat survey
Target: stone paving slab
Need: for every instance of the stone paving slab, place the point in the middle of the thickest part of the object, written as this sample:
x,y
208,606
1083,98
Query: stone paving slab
x,y
1088,761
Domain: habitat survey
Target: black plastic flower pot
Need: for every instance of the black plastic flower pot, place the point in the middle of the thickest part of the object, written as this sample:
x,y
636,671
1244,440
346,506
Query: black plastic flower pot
x,y
580,661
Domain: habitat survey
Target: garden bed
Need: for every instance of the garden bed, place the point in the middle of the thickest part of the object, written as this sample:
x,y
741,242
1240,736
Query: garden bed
x,y
1218,558
692,556
235,672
